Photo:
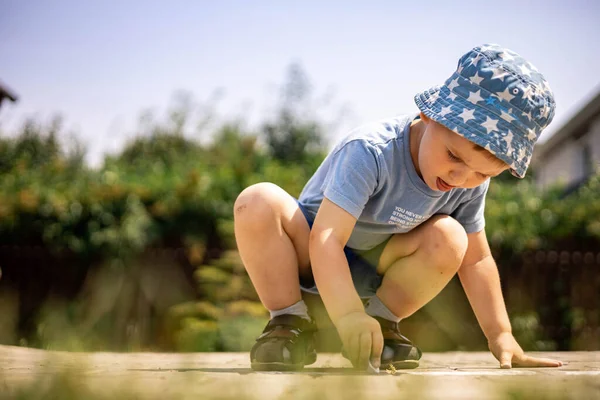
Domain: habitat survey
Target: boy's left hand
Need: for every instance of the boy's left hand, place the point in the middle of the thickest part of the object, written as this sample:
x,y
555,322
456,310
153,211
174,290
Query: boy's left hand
x,y
506,350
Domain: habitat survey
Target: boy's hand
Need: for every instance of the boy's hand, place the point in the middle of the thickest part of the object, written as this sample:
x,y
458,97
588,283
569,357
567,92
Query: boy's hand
x,y
506,350
362,339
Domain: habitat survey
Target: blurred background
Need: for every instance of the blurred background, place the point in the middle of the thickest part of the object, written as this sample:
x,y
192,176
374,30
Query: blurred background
x,y
127,129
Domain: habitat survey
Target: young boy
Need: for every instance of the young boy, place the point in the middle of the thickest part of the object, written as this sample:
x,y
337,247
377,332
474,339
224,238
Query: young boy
x,y
393,212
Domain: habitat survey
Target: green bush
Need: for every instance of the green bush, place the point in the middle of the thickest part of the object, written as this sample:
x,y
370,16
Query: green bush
x,y
519,216
238,333
197,335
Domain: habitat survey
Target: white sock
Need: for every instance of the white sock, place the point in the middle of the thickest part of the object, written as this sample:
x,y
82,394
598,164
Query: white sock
x,y
376,308
299,309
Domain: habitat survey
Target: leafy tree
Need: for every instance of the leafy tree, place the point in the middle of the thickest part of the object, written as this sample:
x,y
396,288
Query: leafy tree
x,y
295,135
38,146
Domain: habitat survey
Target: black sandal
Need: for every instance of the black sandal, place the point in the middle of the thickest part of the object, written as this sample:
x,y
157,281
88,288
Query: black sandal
x,y
398,351
286,344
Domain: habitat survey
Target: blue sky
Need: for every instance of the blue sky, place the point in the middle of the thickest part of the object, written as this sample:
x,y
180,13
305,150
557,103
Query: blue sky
x,y
100,63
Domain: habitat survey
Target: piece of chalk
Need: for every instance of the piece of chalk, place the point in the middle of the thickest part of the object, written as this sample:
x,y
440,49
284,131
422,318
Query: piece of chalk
x,y
371,369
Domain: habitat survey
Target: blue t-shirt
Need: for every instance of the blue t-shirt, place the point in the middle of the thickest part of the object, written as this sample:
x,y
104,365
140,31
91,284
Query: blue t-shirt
x,y
371,175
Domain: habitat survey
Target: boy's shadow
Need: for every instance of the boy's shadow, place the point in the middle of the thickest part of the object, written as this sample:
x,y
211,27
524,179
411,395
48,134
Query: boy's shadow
x,y
244,371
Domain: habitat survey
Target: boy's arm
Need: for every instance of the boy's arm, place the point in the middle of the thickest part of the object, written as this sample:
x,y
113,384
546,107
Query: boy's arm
x,y
360,333
330,233
481,282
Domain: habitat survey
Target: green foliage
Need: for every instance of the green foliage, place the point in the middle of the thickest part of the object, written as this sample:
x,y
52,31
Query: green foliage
x,y
290,141
118,210
528,331
238,333
231,301
38,146
201,310
295,136
520,216
164,149
234,157
197,335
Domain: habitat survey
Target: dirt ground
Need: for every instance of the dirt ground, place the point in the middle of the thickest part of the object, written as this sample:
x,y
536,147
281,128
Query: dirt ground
x,y
38,374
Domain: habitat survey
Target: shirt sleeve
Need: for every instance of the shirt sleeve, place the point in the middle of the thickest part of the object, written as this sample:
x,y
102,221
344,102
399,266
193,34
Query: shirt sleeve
x,y
470,213
352,177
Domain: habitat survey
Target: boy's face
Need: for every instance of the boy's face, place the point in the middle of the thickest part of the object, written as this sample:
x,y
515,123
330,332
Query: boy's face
x,y
446,160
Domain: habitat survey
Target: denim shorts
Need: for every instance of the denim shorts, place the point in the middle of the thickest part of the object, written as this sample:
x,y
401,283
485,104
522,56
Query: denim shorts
x,y
363,267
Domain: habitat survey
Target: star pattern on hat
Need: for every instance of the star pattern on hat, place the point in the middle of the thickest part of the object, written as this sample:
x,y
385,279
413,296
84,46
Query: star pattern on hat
x,y
506,95
528,93
508,139
525,69
490,124
467,115
546,86
453,84
475,60
499,73
545,110
445,110
506,56
434,96
506,116
475,97
452,96
476,79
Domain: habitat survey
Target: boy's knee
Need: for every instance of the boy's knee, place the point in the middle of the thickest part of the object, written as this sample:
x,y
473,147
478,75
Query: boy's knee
x,y
254,205
447,242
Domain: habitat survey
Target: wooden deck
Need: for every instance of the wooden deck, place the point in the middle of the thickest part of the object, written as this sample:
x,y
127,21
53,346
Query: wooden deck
x,y
36,374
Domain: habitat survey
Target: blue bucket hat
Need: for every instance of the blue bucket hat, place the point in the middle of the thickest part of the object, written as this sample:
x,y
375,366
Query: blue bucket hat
x,y
497,100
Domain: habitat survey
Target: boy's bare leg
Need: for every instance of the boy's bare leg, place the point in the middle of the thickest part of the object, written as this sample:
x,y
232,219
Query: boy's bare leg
x,y
272,238
417,265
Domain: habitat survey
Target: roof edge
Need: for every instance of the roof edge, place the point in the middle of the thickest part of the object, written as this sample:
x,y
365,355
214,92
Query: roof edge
x,y
572,126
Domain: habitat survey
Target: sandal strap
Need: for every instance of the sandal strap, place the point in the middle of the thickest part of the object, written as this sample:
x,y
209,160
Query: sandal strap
x,y
286,326
391,330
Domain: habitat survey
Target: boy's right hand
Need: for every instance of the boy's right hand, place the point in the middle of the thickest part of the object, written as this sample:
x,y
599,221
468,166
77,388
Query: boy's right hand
x,y
362,339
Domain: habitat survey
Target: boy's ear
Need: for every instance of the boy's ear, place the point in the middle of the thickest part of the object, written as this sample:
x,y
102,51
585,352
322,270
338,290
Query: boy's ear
x,y
424,118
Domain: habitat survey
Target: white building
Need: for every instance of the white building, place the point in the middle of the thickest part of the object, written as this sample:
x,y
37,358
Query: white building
x,y
572,154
